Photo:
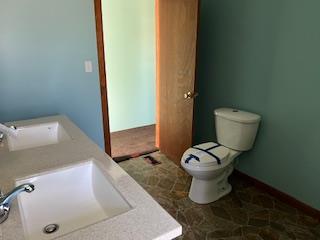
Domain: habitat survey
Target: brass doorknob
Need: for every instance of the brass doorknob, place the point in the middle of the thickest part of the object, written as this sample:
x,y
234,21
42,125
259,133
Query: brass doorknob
x,y
190,95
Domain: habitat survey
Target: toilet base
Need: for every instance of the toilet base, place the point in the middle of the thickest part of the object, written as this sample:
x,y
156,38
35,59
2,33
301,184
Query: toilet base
x,y
207,191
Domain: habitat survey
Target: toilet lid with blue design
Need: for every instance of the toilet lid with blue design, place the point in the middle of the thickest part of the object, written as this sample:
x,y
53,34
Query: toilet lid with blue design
x,y
205,154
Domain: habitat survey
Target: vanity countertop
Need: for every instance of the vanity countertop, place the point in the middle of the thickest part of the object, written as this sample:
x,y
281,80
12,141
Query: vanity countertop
x,y
147,220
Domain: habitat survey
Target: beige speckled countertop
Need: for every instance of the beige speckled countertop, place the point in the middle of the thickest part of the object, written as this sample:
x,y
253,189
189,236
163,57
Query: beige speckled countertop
x,y
147,220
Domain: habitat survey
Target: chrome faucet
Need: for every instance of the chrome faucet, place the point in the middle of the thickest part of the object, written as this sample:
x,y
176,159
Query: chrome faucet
x,y
7,199
8,130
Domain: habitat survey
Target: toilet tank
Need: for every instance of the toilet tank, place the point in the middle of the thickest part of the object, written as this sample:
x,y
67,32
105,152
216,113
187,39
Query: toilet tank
x,y
236,129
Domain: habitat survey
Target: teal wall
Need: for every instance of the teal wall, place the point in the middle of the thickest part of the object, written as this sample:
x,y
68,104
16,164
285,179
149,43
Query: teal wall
x,y
264,56
129,33
43,46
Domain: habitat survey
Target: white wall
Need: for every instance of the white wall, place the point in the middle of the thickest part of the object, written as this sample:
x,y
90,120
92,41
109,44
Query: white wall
x,y
129,35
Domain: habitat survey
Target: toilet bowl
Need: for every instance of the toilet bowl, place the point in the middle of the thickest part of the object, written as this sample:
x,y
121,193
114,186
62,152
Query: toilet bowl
x,y
211,163
210,178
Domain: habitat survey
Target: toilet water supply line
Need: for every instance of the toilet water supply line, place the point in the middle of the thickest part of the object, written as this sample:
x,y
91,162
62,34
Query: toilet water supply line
x,y
8,130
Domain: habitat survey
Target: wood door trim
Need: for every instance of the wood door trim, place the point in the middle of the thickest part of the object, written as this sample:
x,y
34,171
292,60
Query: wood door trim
x,y
157,32
102,76
196,73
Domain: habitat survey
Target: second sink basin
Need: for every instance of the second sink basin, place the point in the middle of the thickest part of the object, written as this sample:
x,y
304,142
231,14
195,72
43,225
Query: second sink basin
x,y
71,198
37,135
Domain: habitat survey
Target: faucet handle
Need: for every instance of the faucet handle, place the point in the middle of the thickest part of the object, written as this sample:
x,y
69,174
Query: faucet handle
x,y
4,213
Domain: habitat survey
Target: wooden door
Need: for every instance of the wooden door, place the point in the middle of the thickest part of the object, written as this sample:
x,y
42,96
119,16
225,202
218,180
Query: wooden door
x,y
177,22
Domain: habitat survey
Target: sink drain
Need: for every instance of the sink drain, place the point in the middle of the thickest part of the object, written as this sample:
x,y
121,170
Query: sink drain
x,y
51,228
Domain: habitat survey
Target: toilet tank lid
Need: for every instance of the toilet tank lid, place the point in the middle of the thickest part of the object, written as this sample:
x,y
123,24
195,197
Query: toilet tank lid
x,y
237,115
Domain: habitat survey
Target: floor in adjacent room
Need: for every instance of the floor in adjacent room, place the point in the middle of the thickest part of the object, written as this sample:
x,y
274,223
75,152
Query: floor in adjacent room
x,y
246,213
131,142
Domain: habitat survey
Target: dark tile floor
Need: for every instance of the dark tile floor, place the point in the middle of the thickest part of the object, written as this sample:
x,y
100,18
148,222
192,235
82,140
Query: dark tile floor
x,y
246,213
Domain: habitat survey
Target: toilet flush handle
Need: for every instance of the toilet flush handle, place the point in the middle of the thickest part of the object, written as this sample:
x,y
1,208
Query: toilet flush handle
x,y
190,95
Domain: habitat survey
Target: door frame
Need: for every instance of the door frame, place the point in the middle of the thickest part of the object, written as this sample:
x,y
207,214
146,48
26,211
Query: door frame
x,y
102,76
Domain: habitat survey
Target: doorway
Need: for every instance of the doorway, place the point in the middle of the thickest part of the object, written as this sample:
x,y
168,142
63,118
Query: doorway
x,y
129,34
174,33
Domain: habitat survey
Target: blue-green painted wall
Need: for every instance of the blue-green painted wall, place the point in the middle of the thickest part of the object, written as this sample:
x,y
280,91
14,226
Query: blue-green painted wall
x,y
129,34
43,46
264,56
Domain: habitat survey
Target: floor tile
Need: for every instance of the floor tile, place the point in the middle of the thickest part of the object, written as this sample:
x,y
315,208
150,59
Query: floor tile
x,y
246,213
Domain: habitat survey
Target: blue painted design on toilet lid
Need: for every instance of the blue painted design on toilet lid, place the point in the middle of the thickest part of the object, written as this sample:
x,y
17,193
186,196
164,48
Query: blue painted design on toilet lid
x,y
209,152
205,154
190,157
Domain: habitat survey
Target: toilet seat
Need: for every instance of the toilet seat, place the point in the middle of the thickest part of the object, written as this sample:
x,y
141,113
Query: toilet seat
x,y
205,155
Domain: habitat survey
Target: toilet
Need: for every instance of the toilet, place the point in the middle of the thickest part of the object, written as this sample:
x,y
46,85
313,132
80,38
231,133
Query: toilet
x,y
211,163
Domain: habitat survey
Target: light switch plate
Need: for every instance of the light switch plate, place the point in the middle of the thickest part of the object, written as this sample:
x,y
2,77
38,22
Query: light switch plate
x,y
88,66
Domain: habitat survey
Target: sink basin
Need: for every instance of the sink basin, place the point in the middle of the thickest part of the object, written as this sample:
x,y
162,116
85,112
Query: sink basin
x,y
37,135
72,198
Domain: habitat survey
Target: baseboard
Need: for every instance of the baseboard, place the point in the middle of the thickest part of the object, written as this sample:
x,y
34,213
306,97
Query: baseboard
x,y
308,210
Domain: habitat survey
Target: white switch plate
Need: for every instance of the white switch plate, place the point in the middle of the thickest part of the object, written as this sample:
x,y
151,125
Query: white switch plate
x,y
88,66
